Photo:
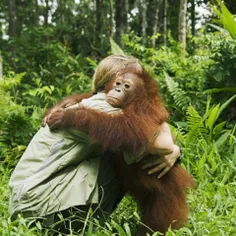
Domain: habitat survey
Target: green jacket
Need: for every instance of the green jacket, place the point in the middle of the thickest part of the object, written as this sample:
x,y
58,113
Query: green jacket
x,y
58,170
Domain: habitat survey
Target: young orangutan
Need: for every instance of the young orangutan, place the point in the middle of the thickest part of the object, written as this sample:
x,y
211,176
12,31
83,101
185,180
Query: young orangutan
x,y
163,202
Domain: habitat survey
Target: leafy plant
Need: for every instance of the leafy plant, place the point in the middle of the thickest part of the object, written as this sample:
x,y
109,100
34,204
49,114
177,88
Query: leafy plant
x,y
226,18
207,139
181,99
115,48
50,70
17,122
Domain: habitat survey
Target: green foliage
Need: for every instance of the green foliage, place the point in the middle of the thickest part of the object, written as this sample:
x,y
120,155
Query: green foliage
x,y
181,99
50,70
209,149
115,49
210,141
222,51
122,216
220,76
19,227
226,18
17,123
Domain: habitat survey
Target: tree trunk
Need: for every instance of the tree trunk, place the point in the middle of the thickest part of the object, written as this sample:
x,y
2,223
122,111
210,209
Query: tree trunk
x,y
182,23
36,13
125,16
143,11
12,24
99,26
111,25
193,19
118,20
12,18
46,14
1,73
61,7
121,18
156,19
165,21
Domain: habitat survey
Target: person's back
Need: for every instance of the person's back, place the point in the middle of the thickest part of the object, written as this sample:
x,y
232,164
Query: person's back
x,y
58,170
49,168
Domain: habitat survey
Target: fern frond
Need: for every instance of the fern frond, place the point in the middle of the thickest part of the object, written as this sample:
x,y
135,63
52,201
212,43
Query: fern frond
x,y
195,126
180,97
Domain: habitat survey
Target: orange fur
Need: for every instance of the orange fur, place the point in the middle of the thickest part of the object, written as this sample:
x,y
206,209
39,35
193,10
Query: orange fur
x,y
163,201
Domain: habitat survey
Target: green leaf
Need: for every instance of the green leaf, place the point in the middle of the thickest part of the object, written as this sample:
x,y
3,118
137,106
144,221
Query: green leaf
x,y
218,90
224,105
212,116
115,48
127,229
218,76
223,138
222,30
216,111
211,160
218,128
119,229
226,18
234,158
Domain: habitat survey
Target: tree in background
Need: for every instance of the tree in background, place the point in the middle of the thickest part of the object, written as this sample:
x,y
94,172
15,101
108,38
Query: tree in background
x,y
85,26
182,23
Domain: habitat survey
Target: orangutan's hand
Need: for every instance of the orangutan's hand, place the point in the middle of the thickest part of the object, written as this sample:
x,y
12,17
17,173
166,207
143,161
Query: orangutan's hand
x,y
63,105
54,119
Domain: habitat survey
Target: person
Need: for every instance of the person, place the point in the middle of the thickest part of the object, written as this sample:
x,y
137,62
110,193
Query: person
x,y
62,172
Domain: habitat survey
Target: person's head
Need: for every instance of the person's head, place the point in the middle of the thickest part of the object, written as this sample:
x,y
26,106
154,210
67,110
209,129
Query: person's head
x,y
110,66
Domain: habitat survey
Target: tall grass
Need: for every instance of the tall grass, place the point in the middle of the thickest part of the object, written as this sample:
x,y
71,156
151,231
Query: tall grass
x,y
20,227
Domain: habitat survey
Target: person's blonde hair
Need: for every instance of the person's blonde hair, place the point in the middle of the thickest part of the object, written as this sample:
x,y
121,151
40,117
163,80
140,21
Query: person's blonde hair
x,y
110,66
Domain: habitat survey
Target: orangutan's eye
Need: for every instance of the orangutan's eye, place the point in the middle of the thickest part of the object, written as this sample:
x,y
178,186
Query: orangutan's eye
x,y
127,86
